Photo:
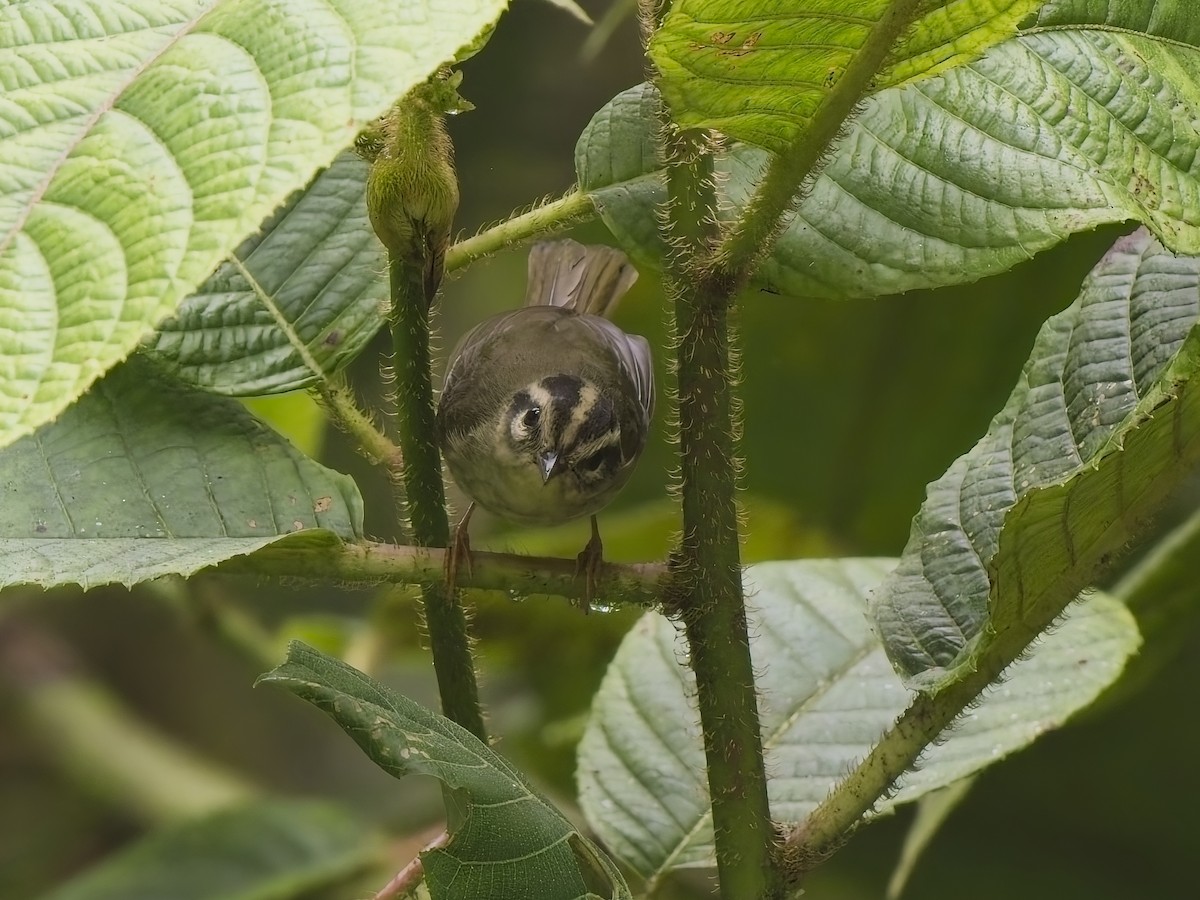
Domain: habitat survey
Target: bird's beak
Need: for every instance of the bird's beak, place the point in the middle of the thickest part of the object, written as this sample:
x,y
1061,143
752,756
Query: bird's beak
x,y
548,463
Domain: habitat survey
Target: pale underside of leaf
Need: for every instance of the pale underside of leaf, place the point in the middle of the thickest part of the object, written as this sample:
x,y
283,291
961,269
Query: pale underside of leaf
x,y
957,177
756,71
144,478
1099,425
144,139
827,694
506,840
297,301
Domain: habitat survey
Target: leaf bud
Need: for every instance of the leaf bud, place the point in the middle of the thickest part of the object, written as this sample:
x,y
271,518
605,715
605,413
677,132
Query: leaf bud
x,y
412,190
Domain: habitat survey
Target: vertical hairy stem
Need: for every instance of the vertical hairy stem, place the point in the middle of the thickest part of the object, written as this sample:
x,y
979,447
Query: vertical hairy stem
x,y
426,493
715,611
412,363
412,195
710,599
704,275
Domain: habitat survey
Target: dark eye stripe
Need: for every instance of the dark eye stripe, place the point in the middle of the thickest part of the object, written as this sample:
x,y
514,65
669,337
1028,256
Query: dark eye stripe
x,y
521,400
565,392
605,460
597,423
564,388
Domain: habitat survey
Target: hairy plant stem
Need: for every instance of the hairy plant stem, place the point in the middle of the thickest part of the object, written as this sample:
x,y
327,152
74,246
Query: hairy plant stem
x,y
449,640
574,207
369,440
366,562
704,282
750,238
709,597
829,825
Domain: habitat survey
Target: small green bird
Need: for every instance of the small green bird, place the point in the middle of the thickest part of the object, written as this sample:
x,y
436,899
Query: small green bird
x,y
545,409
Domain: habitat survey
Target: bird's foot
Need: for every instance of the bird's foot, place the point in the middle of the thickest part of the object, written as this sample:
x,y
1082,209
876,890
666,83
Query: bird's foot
x,y
459,552
588,565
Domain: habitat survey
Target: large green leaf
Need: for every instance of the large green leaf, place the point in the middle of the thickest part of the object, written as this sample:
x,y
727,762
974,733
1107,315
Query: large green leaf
x,y
756,70
1100,428
267,851
1172,19
506,840
299,299
962,175
143,478
143,139
827,694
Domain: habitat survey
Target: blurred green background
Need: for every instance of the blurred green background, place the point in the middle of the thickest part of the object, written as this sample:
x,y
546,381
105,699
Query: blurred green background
x,y
850,409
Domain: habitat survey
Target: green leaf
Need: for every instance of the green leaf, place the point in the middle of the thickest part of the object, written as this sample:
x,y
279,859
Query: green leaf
x,y
142,140
1099,430
960,176
757,71
506,840
298,300
295,415
267,851
828,693
1173,19
144,478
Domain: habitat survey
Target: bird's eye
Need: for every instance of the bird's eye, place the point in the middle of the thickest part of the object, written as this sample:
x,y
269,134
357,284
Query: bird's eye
x,y
531,417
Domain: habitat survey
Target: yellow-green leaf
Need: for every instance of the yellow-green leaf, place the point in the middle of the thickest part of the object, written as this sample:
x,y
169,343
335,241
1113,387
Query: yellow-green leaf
x,y
142,140
757,71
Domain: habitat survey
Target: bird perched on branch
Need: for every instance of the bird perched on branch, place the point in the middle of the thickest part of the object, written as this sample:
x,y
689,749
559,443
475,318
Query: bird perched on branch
x,y
545,409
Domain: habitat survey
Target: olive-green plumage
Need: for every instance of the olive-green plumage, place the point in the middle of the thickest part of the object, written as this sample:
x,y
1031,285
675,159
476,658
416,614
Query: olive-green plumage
x,y
546,409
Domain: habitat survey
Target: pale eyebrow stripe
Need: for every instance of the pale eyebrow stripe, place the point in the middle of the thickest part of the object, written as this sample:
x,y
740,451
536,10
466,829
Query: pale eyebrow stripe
x,y
588,398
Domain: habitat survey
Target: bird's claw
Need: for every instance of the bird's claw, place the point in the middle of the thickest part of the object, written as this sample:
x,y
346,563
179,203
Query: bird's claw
x,y
588,564
459,552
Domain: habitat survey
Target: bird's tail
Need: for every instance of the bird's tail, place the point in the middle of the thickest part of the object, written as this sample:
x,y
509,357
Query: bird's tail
x,y
588,279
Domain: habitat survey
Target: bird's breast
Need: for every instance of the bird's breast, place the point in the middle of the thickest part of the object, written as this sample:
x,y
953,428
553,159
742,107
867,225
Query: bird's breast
x,y
515,491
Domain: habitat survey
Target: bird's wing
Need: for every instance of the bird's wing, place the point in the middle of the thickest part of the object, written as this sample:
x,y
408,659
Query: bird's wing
x,y
633,356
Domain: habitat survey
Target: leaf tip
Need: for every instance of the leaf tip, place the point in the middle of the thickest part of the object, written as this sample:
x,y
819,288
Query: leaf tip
x,y
295,648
